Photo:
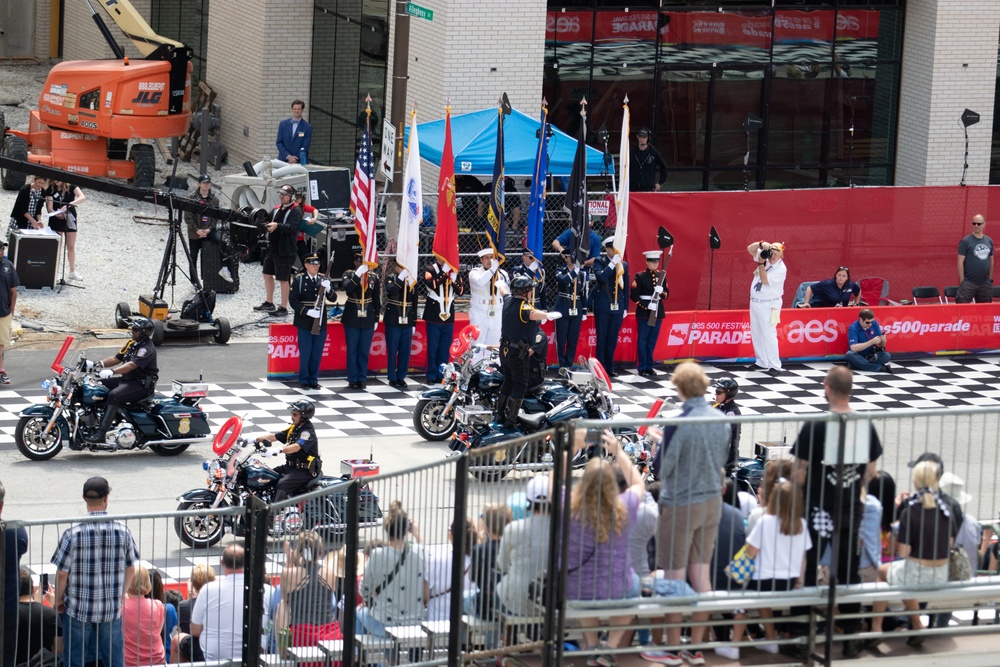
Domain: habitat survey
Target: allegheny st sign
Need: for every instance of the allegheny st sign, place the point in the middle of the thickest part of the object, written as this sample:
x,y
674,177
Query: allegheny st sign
x,y
419,12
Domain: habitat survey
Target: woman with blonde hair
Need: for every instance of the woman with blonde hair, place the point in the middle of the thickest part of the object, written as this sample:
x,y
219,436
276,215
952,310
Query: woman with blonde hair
x,y
182,646
61,200
142,623
927,530
598,560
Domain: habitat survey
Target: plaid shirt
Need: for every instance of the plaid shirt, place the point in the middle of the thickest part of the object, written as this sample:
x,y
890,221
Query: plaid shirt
x,y
96,556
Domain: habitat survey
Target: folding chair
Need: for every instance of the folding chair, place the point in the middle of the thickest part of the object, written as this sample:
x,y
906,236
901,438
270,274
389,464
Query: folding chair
x,y
800,293
926,292
950,293
875,292
996,291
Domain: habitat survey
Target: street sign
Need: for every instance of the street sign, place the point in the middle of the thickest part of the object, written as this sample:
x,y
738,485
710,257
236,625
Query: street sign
x,y
420,12
388,148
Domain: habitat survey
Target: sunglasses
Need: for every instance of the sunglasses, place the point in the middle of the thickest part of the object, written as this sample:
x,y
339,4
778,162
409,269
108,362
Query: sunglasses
x,y
843,268
978,224
867,321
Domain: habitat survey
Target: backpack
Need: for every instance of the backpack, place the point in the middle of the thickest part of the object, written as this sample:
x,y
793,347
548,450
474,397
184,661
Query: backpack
x,y
199,307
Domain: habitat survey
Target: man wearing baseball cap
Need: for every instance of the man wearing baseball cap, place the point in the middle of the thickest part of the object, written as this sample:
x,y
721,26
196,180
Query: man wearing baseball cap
x,y
282,229
95,563
646,160
8,299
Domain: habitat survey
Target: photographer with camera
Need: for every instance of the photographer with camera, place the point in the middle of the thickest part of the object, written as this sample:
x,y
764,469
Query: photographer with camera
x,y
765,303
866,345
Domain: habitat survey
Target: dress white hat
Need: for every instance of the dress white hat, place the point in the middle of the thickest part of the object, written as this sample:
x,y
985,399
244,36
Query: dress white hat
x,y
609,241
485,251
653,254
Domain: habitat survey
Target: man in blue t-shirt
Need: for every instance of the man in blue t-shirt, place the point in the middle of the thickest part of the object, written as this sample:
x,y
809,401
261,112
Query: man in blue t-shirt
x,y
866,345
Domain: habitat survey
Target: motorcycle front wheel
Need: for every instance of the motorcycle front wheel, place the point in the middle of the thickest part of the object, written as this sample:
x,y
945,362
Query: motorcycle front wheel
x,y
430,422
199,532
33,442
168,450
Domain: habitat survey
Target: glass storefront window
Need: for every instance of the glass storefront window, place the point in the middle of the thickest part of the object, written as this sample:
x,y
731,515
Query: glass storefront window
x,y
995,152
682,119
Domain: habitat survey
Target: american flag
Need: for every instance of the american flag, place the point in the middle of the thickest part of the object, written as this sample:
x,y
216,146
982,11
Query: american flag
x,y
363,197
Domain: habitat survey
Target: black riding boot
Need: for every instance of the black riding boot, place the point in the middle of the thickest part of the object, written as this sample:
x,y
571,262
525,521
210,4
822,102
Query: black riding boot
x,y
513,410
501,410
101,435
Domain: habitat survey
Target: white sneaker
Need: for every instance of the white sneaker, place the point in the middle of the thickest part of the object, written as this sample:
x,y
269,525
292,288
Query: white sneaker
x,y
73,275
768,648
226,275
728,652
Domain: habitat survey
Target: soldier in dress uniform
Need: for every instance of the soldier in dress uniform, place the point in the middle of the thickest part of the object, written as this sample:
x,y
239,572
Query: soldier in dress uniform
x,y
517,338
531,267
360,319
307,307
488,285
400,314
572,305
649,289
610,303
439,315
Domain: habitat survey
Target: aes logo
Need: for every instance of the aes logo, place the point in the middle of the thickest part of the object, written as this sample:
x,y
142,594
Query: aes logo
x,y
813,331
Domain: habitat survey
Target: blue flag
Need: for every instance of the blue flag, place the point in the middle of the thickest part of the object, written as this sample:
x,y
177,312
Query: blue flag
x,y
496,230
536,207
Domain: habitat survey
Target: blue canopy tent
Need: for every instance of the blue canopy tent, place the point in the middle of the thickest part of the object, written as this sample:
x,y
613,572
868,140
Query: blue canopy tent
x,y
474,140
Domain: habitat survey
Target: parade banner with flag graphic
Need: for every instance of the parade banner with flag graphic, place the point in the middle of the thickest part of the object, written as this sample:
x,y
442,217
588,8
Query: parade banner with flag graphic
x,y
536,207
576,193
621,201
496,230
363,195
412,211
446,235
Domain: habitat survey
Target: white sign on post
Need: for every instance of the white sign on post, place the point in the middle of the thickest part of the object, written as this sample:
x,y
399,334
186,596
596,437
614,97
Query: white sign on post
x,y
388,149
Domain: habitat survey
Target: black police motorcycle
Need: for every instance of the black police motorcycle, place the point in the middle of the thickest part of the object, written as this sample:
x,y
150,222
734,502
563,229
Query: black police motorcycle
x,y
239,471
75,403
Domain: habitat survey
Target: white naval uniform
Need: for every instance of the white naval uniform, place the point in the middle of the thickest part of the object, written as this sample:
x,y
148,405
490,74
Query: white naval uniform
x,y
763,333
480,306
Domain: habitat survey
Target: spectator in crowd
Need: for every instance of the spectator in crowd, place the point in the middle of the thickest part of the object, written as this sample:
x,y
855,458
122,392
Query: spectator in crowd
x,y
393,587
16,545
729,539
37,623
439,564
646,161
744,500
870,537
989,549
773,471
598,559
217,615
142,623
866,345
9,283
969,530
927,529
691,462
28,206
95,563
485,571
833,292
308,585
294,136
975,265
766,290
523,555
823,516
158,592
183,649
883,487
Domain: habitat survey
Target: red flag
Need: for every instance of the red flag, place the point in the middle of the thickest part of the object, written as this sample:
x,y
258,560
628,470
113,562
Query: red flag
x,y
446,234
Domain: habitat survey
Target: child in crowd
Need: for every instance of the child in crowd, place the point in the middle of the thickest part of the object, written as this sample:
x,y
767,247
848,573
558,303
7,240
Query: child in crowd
x,y
778,543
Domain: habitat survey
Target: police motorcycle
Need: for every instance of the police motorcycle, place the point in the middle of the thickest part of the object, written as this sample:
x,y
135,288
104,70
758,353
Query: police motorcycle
x,y
465,384
239,471
74,405
582,394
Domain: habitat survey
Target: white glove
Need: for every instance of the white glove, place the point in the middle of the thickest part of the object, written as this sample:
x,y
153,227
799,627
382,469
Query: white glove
x,y
275,454
670,253
553,315
325,285
361,270
314,313
106,373
404,274
616,260
584,318
89,365
533,266
658,290
494,265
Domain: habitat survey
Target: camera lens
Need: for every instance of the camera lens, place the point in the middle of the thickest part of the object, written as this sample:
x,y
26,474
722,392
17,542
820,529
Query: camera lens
x,y
765,254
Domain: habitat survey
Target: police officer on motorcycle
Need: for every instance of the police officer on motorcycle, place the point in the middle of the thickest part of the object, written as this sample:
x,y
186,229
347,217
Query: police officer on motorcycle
x,y
518,330
301,450
136,364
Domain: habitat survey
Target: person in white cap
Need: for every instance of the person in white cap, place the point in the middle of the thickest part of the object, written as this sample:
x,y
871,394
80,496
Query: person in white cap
x,y
649,290
970,531
488,285
524,549
765,303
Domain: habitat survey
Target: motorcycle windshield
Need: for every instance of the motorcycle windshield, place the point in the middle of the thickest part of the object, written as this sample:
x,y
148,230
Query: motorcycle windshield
x,y
237,456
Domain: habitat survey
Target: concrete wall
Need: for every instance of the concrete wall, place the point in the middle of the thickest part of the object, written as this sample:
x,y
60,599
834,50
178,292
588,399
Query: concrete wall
x,y
949,64
81,38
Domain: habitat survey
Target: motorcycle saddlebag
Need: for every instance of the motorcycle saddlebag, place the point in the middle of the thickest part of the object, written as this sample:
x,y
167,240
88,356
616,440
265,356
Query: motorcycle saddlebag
x,y
182,421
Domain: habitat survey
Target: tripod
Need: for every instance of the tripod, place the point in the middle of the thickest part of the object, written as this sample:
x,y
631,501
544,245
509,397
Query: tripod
x,y
62,278
168,265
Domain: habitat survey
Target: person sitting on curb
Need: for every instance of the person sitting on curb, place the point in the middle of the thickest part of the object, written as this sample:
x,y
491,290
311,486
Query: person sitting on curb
x,y
866,345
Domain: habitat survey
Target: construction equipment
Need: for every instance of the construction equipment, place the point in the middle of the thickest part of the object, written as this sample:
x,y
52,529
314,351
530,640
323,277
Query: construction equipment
x,y
89,110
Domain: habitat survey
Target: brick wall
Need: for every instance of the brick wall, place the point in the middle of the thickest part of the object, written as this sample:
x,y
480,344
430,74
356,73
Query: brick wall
x,y
43,29
949,64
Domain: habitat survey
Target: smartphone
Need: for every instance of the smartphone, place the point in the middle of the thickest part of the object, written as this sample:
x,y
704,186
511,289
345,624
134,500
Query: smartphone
x,y
593,436
43,582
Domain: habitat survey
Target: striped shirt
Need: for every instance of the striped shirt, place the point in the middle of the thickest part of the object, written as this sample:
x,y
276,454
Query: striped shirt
x,y
96,556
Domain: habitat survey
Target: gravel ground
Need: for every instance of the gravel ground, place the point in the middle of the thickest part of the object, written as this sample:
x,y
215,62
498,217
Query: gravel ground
x,y
118,257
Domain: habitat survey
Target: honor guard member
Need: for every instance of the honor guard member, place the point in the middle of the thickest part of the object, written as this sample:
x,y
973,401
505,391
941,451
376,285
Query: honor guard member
x,y
400,314
137,368
301,450
308,307
518,336
726,390
649,288
359,319
532,268
439,316
610,303
572,305
488,285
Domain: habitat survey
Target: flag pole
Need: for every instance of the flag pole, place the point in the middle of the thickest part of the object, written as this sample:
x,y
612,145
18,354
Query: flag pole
x,y
364,251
